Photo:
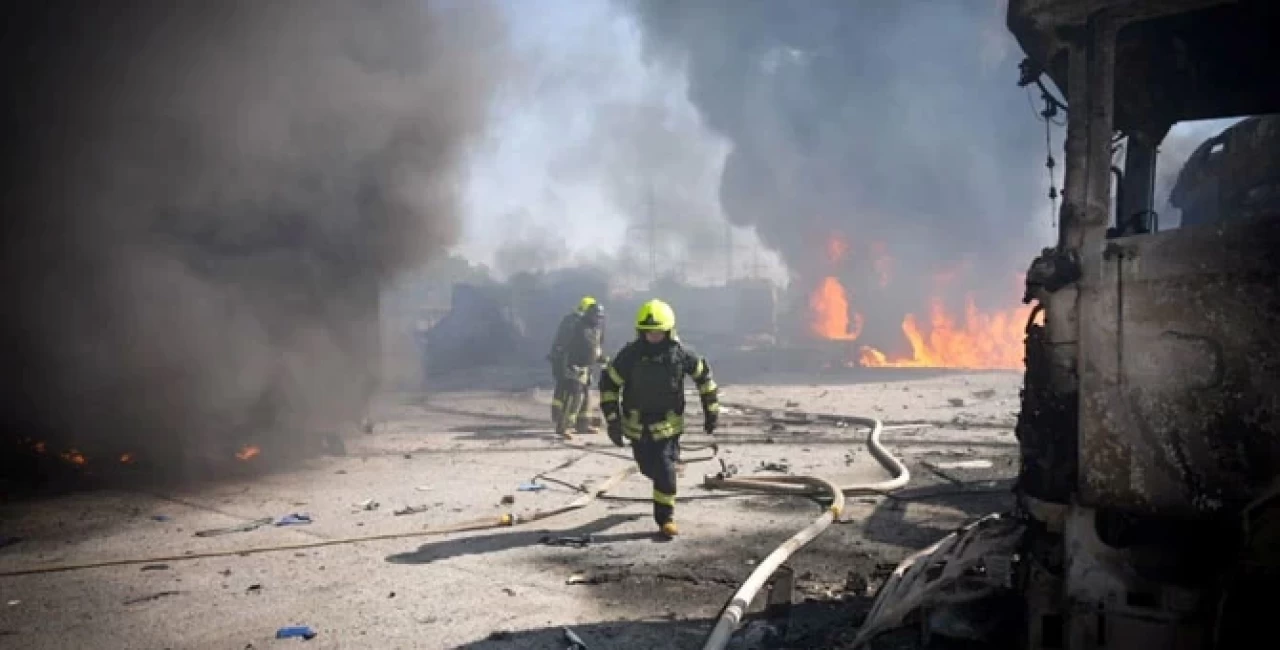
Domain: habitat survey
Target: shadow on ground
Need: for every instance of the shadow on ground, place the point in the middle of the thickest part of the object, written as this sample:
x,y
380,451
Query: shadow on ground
x,y
507,540
807,625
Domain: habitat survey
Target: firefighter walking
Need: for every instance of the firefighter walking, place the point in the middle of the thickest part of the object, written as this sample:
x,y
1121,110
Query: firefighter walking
x,y
577,346
642,397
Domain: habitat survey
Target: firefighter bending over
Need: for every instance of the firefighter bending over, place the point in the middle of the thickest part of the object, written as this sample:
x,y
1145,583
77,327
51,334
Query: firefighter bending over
x,y
642,397
576,348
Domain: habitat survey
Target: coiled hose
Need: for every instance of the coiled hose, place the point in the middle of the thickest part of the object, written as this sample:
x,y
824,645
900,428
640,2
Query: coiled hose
x,y
733,611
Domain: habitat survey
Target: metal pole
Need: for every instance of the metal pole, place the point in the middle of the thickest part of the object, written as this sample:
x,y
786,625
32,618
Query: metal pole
x,y
653,244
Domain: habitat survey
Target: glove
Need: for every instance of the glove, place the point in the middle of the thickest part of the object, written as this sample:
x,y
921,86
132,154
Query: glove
x,y
709,423
615,433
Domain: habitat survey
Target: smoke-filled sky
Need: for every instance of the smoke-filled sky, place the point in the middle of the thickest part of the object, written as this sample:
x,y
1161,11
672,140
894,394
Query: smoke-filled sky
x,y
894,122
204,198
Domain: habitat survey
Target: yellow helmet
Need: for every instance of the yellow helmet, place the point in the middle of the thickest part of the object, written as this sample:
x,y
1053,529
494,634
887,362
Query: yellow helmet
x,y
585,304
655,316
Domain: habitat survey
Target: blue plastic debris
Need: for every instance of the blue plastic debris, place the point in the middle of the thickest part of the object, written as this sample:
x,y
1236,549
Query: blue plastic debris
x,y
161,517
296,632
294,519
531,487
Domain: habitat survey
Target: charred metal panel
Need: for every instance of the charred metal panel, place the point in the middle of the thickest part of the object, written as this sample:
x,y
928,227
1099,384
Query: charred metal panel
x,y
1235,174
1180,59
1180,369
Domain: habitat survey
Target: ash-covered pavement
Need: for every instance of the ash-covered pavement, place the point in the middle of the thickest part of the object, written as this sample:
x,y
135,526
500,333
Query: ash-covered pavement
x,y
455,457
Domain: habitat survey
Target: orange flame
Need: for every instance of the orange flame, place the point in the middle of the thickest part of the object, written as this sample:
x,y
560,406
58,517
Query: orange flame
x,y
984,341
39,447
74,457
248,452
831,312
836,249
126,458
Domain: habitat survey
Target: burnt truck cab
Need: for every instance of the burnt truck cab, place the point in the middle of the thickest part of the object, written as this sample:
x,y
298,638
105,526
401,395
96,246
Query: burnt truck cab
x,y
1148,498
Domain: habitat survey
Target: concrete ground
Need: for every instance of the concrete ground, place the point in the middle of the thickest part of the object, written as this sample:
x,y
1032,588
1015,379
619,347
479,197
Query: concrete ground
x,y
456,456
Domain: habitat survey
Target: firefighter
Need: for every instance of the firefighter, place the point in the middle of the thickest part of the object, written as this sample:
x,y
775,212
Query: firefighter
x,y
642,397
576,348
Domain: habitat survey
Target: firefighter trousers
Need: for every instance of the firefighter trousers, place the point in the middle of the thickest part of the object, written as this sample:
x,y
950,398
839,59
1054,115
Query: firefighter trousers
x,y
657,460
569,402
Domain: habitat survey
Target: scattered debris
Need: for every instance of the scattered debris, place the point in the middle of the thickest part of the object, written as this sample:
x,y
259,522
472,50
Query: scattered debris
x,y
508,499
956,401
238,528
161,517
583,579
294,519
296,632
391,595
409,510
965,464
156,567
341,471
777,426
156,596
509,591
792,404
408,456
13,603
367,504
575,642
984,394
225,572
531,486
253,588
424,488
576,541
857,584
771,466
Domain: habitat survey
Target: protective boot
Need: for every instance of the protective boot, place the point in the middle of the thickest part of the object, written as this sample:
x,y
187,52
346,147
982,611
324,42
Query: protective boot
x,y
584,426
669,530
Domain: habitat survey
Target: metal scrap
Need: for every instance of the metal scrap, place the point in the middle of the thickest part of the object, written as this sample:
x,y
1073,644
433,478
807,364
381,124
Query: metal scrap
x,y
575,642
238,528
156,596
947,573
576,541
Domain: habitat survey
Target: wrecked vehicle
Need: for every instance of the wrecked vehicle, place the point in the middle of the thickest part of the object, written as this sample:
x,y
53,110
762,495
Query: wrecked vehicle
x,y
1148,500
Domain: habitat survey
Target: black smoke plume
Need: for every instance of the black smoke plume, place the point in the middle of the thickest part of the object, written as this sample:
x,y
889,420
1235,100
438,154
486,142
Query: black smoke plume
x,y
893,123
203,200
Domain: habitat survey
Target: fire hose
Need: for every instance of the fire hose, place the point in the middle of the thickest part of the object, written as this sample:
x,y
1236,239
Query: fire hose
x,y
733,611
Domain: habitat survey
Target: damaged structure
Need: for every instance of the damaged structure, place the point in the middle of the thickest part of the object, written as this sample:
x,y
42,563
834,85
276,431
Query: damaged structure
x,y
1148,497
511,324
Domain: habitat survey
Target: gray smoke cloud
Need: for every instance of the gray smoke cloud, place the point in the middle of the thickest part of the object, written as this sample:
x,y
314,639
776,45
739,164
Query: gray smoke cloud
x,y
591,141
893,124
206,198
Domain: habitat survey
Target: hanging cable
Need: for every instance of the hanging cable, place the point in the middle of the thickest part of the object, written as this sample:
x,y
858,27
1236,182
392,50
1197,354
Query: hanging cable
x,y
1049,164
1052,106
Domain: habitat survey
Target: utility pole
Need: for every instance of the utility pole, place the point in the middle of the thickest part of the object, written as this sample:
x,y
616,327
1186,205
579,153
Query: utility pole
x,y
728,252
651,219
653,239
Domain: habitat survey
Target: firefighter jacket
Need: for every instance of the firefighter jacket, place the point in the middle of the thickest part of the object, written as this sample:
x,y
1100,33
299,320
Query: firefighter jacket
x,y
644,387
579,341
